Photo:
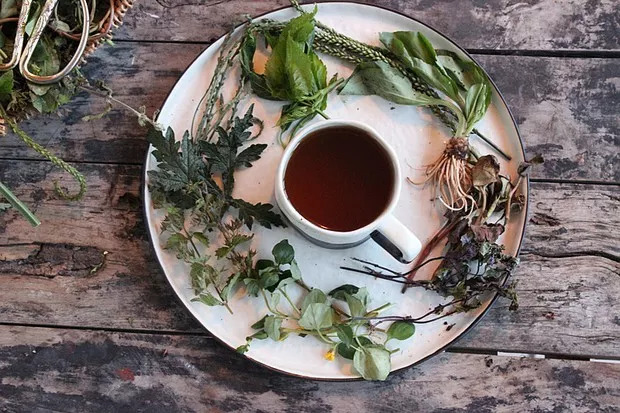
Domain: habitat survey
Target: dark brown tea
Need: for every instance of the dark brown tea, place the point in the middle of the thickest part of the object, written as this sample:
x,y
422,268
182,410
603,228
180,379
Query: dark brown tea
x,y
339,178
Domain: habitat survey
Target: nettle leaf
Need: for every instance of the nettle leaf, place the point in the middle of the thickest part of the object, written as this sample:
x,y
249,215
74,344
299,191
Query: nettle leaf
x,y
283,252
339,292
263,213
272,327
314,296
400,330
381,79
316,316
372,362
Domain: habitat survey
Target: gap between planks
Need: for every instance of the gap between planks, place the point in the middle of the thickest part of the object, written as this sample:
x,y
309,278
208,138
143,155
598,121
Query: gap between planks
x,y
141,164
453,349
580,53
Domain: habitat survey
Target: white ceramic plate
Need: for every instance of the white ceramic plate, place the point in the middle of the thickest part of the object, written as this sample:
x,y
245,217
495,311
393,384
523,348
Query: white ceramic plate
x,y
418,139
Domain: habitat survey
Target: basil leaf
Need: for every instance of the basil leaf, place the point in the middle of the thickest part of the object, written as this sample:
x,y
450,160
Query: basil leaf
x,y
316,316
381,79
283,252
272,327
400,330
314,296
372,362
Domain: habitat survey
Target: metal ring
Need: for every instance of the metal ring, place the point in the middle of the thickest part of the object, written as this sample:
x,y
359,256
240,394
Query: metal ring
x,y
19,36
36,35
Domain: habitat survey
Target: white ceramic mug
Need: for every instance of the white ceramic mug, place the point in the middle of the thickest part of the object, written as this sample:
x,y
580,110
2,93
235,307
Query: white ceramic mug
x,y
386,230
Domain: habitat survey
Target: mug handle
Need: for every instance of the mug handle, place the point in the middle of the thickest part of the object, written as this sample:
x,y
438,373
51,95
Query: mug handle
x,y
397,240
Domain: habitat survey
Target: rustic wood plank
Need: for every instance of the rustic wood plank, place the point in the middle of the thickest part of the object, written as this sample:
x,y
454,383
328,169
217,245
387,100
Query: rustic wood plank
x,y
568,275
495,24
564,107
84,371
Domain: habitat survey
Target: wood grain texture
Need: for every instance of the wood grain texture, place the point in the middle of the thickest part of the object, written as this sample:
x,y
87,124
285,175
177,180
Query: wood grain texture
x,y
494,24
565,108
570,265
83,371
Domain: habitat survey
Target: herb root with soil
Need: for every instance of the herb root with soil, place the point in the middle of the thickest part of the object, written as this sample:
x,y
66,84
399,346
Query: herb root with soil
x,y
406,70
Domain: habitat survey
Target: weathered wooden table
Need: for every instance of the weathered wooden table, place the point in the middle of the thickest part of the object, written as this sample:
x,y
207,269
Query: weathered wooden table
x,y
118,340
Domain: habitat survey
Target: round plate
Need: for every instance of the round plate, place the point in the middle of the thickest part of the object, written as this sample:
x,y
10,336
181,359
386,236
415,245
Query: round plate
x,y
418,139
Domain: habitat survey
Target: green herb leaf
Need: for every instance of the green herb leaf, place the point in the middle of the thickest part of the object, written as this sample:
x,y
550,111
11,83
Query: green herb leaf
x,y
339,292
372,362
316,316
400,330
6,86
283,252
476,103
314,296
345,334
414,43
381,79
207,298
262,213
272,327
356,307
295,271
418,55
260,324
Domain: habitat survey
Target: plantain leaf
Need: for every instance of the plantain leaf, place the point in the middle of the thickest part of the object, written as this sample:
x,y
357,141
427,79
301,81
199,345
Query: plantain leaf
x,y
381,79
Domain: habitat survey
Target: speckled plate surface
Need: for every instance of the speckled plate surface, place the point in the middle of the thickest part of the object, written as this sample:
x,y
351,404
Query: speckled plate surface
x,y
418,139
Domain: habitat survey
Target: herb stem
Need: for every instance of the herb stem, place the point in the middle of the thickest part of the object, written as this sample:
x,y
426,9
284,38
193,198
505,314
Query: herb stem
x,y
19,205
217,289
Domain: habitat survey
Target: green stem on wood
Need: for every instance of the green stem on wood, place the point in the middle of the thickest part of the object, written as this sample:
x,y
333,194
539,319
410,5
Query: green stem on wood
x,y
19,205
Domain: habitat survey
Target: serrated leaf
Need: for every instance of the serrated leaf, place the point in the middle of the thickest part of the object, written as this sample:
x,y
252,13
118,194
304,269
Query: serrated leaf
x,y
262,213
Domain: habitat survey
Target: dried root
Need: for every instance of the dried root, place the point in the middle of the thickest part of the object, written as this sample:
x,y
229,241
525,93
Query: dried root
x,y
450,176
